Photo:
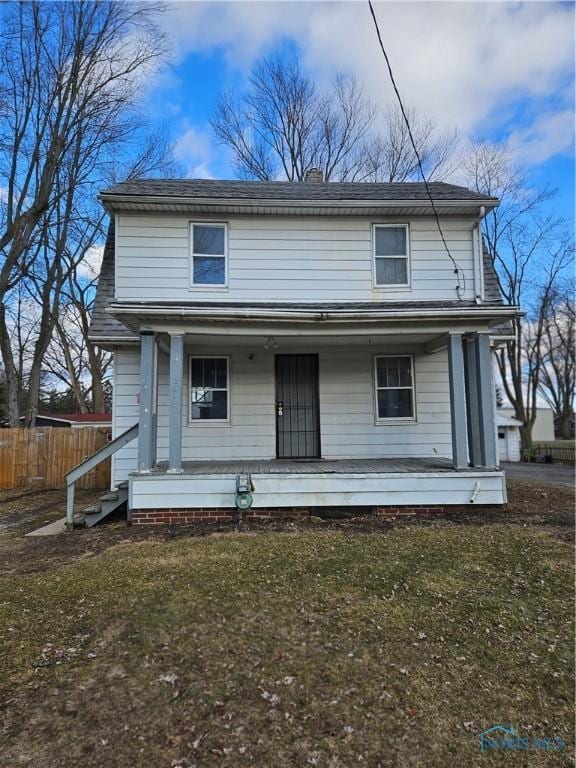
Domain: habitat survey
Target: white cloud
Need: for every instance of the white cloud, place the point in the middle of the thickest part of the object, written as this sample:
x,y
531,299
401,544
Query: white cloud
x,y
464,64
195,150
89,267
551,133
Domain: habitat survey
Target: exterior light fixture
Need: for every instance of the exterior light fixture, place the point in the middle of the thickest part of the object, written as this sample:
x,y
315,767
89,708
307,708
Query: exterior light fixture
x,y
270,343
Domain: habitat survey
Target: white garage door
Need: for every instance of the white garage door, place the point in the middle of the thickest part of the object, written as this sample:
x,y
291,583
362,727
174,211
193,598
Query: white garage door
x,y
502,445
509,444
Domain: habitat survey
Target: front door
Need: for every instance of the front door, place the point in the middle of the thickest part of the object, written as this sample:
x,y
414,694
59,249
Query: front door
x,y
297,407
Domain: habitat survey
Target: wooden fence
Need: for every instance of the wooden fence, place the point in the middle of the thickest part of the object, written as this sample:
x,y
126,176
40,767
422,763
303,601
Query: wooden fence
x,y
555,452
40,457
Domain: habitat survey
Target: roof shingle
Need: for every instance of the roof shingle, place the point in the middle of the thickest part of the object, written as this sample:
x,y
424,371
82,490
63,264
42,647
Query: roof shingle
x,y
293,190
102,324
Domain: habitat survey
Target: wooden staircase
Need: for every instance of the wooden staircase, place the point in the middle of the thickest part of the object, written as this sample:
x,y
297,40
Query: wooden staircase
x,y
107,504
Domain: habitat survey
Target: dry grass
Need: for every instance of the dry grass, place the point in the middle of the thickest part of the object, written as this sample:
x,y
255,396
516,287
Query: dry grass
x,y
321,646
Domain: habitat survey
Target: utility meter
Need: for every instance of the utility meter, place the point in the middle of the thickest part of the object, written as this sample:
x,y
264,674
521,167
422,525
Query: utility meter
x,y
244,488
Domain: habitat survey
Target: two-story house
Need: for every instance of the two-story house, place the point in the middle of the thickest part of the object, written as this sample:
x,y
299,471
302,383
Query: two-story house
x,y
330,340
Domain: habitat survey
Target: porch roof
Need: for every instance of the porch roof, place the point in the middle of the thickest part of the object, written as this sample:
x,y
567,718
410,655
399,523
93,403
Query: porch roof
x,y
306,321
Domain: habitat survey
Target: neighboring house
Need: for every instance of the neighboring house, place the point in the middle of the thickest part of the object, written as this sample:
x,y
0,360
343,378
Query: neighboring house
x,y
543,429
509,442
74,420
317,336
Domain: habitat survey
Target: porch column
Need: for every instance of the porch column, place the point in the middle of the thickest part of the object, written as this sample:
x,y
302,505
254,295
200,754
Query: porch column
x,y
486,400
457,401
146,440
175,422
472,400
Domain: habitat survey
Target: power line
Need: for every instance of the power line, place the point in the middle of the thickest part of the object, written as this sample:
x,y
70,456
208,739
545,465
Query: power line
x,y
457,269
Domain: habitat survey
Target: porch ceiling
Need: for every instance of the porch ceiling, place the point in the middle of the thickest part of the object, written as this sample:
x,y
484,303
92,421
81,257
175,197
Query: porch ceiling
x,y
285,342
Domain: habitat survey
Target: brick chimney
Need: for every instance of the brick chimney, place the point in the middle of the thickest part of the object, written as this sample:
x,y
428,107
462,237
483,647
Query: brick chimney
x,y
314,174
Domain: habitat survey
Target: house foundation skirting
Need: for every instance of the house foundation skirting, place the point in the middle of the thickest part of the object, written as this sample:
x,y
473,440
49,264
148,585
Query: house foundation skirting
x,y
165,516
211,515
424,510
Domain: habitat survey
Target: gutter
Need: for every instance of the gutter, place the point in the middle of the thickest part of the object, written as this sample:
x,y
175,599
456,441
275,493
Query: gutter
x,y
108,199
316,316
117,341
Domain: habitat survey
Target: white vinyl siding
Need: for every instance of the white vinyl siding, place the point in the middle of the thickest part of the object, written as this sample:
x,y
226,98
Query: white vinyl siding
x,y
250,430
288,259
126,367
312,490
347,425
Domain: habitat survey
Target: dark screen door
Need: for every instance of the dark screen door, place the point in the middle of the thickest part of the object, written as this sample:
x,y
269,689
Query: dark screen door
x,y
297,409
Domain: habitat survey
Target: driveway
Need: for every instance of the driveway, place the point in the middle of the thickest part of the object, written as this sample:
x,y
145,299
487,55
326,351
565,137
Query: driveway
x,y
551,474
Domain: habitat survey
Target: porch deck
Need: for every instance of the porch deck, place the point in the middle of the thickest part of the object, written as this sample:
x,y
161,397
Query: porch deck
x,y
335,482
318,467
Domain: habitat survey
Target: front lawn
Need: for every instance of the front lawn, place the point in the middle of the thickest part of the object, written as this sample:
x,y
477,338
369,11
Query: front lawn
x,y
320,646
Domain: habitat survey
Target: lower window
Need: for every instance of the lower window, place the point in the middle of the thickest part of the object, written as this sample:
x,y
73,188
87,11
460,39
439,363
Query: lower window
x,y
209,389
394,382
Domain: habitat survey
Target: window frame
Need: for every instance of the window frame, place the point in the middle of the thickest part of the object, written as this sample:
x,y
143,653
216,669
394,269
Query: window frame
x,y
207,286
407,256
209,422
394,419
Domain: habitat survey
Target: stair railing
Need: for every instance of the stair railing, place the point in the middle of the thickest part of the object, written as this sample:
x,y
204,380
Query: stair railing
x,y
88,464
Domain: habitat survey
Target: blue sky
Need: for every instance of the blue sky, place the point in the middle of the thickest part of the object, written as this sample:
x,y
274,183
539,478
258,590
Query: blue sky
x,y
500,71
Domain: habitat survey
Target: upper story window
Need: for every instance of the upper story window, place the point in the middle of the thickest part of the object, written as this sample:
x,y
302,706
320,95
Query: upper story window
x,y
391,255
209,244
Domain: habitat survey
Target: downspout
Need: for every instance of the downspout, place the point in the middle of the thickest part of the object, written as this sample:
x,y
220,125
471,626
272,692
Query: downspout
x,y
481,251
478,257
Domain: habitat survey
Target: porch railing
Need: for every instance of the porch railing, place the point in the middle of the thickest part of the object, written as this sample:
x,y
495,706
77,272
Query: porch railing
x,y
88,464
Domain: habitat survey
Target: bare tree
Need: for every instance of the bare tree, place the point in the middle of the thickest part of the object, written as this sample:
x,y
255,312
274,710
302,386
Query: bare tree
x,y
521,361
558,376
389,156
530,253
71,358
284,125
69,79
489,168
18,326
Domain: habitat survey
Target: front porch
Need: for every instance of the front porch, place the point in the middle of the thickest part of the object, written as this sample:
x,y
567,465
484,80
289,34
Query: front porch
x,y
440,451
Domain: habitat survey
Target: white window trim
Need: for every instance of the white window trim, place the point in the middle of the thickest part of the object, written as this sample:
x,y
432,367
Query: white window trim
x,y
207,286
400,286
208,422
394,419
